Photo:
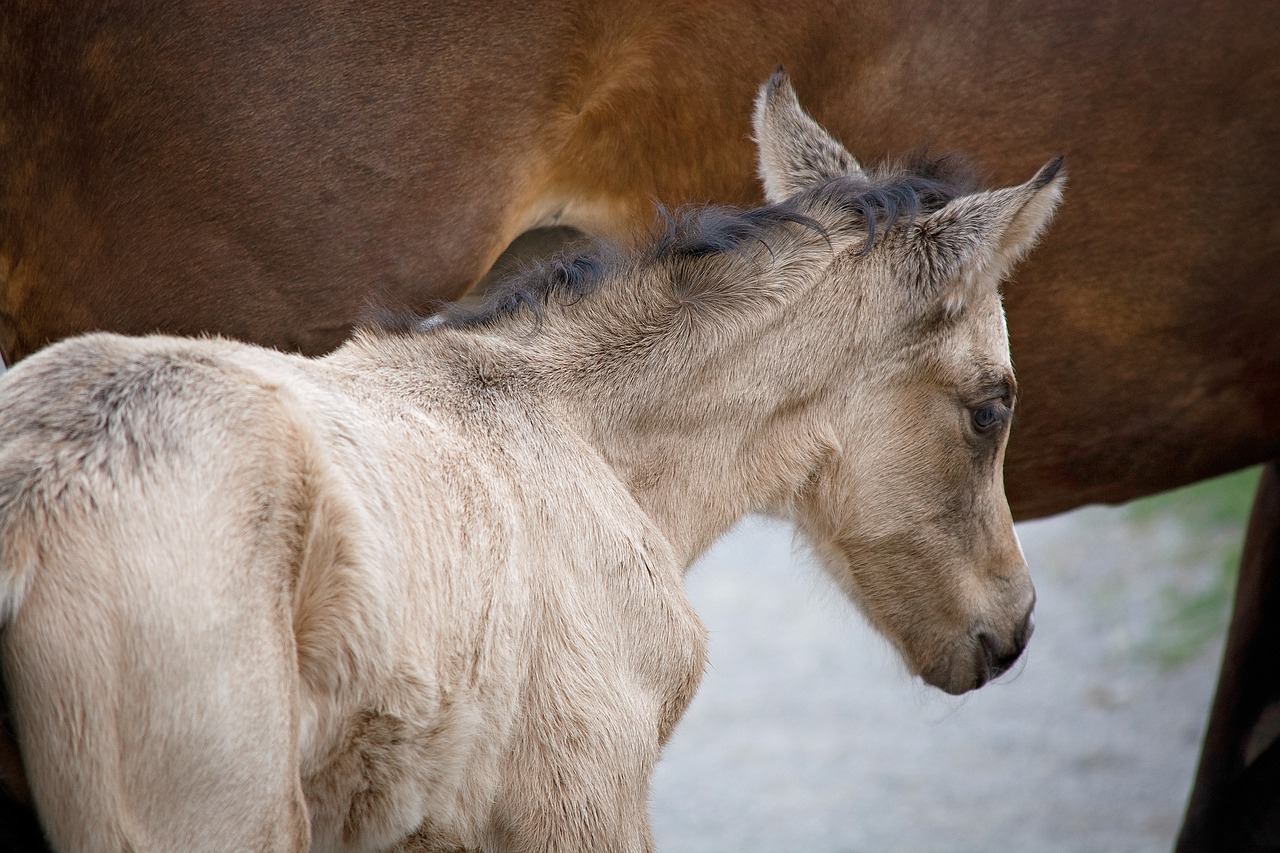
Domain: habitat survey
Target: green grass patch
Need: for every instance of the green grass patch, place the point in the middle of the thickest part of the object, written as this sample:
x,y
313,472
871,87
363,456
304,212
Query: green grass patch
x,y
1208,506
1211,518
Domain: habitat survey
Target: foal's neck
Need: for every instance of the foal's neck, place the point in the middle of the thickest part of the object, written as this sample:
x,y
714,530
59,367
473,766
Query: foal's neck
x,y
702,421
692,369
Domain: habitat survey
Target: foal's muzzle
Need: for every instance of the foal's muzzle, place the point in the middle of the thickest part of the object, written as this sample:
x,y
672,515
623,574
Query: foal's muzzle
x,y
995,658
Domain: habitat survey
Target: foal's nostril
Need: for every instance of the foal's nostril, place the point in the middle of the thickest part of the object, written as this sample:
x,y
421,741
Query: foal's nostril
x,y
994,657
1001,663
997,661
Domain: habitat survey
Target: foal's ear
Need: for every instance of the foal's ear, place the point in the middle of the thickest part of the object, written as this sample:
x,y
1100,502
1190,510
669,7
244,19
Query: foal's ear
x,y
795,152
975,241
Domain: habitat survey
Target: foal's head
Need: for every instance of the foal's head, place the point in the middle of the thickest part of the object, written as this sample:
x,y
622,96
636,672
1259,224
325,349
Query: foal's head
x,y
906,506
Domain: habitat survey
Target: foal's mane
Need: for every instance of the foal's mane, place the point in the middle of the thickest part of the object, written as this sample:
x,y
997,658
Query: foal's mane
x,y
872,206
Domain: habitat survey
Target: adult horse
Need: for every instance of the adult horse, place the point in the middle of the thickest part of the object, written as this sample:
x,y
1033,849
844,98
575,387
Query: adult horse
x,y
263,172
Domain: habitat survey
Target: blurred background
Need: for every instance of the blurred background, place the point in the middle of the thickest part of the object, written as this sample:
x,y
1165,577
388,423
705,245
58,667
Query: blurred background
x,y
808,735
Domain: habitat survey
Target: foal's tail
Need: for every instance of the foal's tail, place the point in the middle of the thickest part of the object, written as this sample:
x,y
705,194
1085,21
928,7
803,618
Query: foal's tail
x,y
18,540
27,489
17,568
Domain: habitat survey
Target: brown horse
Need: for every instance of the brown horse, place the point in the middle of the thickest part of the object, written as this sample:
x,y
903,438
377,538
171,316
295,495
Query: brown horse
x,y
265,171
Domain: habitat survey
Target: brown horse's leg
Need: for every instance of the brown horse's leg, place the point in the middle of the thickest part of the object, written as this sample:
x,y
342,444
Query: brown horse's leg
x,y
1235,804
19,829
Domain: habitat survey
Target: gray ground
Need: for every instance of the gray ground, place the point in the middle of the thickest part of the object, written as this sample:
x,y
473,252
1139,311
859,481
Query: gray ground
x,y
807,735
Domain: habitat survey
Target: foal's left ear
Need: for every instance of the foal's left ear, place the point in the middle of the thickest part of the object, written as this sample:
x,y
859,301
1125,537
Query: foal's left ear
x,y
795,153
975,240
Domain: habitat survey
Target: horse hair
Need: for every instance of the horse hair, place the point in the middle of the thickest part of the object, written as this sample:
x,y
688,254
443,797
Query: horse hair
x,y
876,204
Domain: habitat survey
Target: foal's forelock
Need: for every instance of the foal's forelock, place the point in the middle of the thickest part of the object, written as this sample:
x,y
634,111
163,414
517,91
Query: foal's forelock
x,y
871,208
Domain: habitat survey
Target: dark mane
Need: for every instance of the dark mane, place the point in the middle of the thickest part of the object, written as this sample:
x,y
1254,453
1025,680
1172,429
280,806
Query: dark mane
x,y
893,193
564,277
874,204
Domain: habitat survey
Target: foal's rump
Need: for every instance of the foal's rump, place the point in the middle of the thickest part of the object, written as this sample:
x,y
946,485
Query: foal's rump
x,y
148,529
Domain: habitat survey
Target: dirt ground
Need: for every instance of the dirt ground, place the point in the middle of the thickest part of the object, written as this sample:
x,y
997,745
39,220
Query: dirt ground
x,y
807,734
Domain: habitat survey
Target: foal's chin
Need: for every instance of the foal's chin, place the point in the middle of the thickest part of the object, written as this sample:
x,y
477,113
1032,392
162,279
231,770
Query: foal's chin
x,y
974,660
956,675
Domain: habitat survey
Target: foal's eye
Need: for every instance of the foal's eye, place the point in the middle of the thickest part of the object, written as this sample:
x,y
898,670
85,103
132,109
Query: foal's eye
x,y
988,416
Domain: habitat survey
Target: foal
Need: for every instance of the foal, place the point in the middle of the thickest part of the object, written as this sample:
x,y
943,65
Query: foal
x,y
424,593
